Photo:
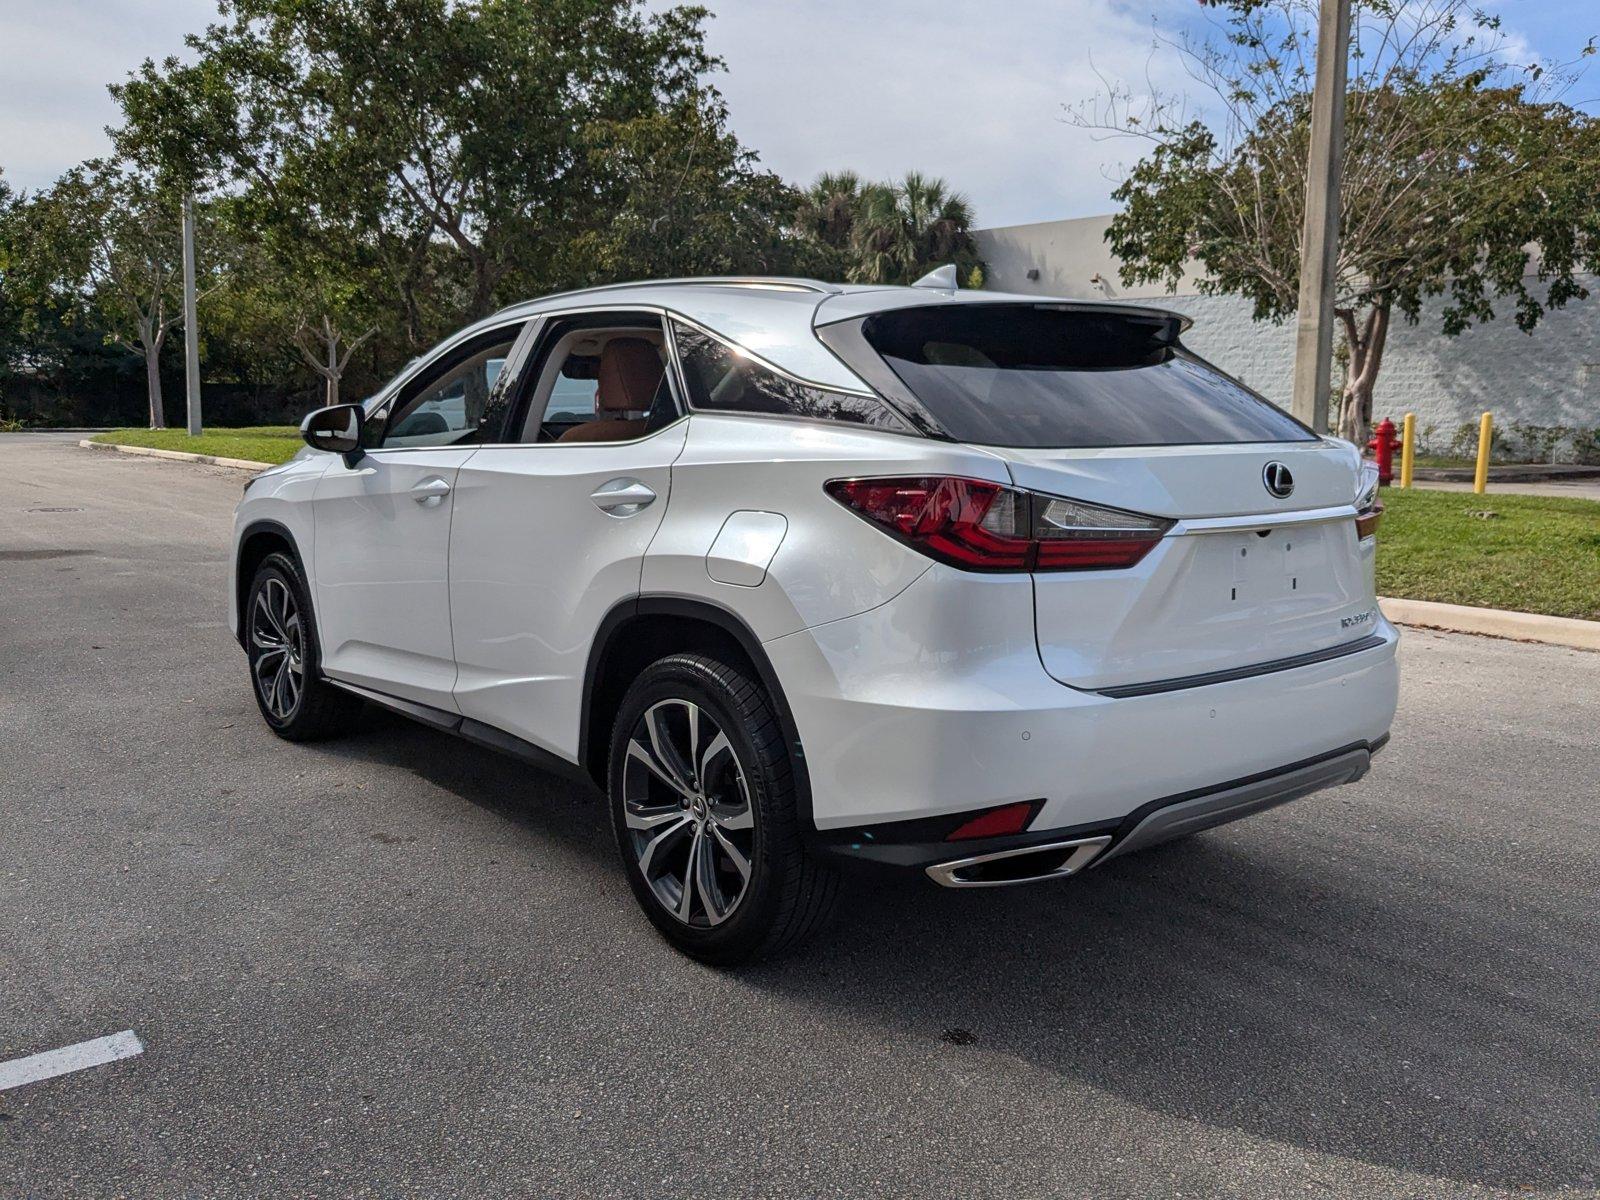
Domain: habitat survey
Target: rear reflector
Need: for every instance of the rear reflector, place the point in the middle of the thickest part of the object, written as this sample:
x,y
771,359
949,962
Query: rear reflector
x,y
1008,818
982,526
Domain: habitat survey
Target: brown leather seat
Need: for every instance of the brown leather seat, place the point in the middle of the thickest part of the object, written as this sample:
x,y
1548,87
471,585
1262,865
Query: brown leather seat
x,y
630,373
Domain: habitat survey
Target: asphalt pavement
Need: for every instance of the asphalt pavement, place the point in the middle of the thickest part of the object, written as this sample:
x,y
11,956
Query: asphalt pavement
x,y
399,965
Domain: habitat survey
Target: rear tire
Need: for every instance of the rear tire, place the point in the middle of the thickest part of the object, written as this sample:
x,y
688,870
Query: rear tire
x,y
280,636
703,805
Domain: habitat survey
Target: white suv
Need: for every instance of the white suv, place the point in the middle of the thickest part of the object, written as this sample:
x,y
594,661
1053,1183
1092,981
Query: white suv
x,y
983,586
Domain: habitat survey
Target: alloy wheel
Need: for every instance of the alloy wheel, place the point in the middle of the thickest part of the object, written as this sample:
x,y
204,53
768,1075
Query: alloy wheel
x,y
277,640
686,803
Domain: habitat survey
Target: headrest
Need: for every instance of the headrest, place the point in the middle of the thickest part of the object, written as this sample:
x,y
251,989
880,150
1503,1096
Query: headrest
x,y
630,373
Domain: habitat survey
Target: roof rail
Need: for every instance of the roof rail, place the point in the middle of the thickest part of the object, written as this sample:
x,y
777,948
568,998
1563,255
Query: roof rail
x,y
785,283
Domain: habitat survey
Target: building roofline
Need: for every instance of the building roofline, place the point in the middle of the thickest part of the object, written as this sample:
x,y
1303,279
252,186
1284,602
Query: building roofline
x,y
1102,217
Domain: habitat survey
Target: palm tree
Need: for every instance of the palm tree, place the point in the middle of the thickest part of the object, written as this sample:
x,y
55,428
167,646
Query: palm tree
x,y
828,208
901,231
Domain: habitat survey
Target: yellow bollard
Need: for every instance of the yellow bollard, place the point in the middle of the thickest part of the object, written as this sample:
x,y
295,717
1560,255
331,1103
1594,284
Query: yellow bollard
x,y
1408,448
1480,479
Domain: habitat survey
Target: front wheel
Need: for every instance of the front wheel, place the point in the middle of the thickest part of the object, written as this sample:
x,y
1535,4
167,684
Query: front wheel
x,y
281,642
703,806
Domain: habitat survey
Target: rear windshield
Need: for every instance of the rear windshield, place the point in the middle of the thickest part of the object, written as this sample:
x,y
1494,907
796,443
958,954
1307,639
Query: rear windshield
x,y
1050,376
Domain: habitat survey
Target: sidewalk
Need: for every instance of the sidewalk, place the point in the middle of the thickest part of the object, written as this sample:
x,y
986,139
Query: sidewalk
x,y
1577,489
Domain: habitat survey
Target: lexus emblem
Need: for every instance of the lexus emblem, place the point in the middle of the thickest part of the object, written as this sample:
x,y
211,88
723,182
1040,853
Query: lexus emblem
x,y
1278,479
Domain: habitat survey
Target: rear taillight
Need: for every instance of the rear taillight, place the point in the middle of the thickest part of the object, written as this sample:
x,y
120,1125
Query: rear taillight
x,y
983,526
1367,520
1368,506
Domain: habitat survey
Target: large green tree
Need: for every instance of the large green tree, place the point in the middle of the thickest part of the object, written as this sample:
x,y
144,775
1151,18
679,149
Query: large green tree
x,y
683,197
1464,177
13,305
326,288
54,356
103,247
486,127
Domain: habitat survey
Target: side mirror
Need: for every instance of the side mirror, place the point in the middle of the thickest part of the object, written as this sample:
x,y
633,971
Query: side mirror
x,y
336,429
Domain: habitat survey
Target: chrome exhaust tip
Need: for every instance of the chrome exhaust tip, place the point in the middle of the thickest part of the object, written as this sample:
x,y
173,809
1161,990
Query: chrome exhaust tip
x,y
1029,864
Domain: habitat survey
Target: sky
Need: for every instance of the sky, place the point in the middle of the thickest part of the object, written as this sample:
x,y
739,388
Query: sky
x,y
971,90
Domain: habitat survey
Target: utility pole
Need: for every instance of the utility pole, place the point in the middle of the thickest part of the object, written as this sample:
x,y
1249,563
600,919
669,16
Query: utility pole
x,y
191,328
1319,242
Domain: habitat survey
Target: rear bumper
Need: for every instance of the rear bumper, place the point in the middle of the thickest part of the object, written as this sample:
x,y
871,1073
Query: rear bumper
x,y
1183,815
936,703
1053,853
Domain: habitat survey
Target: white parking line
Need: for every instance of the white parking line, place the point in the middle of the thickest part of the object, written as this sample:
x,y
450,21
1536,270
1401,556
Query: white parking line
x,y
68,1059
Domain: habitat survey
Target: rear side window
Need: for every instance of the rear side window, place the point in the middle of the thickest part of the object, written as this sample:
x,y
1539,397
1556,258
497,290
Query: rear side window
x,y
722,379
1052,376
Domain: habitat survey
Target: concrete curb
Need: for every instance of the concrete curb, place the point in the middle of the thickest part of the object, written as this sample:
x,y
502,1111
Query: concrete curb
x,y
1527,473
1493,622
211,460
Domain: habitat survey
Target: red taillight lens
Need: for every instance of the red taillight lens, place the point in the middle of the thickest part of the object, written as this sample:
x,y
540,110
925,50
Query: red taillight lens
x,y
964,522
984,526
1008,818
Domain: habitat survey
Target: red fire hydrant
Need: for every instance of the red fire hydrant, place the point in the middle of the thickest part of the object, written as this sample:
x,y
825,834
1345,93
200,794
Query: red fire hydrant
x,y
1385,441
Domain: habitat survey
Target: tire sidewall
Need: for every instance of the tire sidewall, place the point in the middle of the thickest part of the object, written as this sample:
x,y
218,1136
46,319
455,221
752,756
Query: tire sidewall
x,y
686,678
280,566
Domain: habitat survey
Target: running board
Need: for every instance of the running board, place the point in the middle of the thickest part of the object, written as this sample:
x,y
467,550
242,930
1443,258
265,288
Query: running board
x,y
476,732
435,718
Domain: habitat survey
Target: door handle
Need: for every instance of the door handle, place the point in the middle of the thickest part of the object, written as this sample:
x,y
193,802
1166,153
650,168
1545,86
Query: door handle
x,y
622,497
430,492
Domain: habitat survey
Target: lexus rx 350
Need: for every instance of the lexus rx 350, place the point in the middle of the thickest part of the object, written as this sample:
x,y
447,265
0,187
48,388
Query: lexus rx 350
x,y
986,587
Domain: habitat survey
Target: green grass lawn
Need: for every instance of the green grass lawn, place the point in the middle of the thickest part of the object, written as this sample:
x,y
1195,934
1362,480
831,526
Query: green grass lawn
x,y
1536,554
259,443
1437,460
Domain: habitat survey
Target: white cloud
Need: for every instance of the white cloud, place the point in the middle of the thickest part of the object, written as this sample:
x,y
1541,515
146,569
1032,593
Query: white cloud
x,y
969,91
55,62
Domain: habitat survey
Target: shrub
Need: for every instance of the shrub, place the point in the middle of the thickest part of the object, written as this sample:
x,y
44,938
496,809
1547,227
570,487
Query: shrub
x,y
1537,443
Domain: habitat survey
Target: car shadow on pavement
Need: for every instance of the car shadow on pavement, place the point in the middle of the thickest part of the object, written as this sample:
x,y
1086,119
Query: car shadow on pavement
x,y
1248,988
1244,980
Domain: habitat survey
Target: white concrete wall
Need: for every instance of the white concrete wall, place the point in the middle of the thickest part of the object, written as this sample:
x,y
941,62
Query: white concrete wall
x,y
1551,377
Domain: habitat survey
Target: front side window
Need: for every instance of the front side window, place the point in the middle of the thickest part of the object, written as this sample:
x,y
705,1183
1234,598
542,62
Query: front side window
x,y
451,404
722,378
1052,376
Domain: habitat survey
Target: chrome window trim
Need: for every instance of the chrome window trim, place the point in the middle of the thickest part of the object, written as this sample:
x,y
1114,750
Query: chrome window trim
x,y
534,325
673,424
416,365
